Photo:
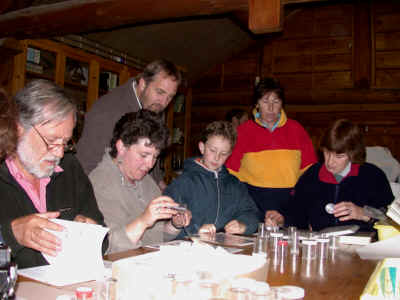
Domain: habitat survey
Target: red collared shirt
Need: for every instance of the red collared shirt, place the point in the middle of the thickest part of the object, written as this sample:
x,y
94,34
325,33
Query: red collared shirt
x,y
38,200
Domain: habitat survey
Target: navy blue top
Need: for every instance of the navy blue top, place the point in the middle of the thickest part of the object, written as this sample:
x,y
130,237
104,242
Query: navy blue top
x,y
365,184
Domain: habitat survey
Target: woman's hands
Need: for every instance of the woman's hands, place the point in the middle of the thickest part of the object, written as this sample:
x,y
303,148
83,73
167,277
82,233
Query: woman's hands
x,y
158,209
346,211
181,219
273,218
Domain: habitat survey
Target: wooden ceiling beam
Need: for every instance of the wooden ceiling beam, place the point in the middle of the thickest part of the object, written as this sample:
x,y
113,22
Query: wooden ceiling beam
x,y
76,16
82,16
265,16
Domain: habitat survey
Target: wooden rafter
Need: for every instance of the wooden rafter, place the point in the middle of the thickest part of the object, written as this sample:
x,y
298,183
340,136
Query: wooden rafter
x,y
78,16
265,16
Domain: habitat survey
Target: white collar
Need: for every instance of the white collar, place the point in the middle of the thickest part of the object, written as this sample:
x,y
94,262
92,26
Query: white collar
x,y
346,170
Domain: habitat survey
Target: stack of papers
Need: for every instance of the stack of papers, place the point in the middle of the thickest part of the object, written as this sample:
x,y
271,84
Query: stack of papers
x,y
360,238
79,260
394,210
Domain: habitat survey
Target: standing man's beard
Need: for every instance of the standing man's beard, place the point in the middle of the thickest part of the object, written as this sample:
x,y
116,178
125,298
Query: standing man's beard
x,y
25,155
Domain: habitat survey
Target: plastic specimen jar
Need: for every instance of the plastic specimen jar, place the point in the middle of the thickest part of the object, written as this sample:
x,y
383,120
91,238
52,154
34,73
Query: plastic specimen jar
x,y
309,249
262,231
84,293
322,248
274,239
290,292
283,248
261,247
294,243
262,291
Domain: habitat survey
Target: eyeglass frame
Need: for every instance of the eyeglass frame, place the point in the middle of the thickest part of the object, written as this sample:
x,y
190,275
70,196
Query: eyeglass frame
x,y
67,147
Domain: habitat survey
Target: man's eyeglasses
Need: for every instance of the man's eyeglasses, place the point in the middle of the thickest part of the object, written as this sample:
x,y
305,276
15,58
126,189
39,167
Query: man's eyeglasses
x,y
67,147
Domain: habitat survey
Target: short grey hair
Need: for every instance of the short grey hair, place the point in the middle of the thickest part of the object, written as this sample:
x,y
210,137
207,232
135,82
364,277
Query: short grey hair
x,y
42,101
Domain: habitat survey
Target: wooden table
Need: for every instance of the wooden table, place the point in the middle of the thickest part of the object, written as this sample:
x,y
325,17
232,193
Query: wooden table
x,y
343,275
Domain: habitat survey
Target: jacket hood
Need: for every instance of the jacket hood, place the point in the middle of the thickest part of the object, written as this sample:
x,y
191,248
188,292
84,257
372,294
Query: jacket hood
x,y
191,165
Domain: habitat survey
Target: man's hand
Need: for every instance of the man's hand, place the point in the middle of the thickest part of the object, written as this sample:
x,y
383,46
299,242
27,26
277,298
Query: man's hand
x,y
83,219
235,226
30,231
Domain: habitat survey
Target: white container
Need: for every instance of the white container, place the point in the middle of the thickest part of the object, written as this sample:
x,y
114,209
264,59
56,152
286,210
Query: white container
x,y
290,292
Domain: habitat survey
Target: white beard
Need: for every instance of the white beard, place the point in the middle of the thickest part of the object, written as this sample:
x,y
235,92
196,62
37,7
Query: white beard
x,y
26,156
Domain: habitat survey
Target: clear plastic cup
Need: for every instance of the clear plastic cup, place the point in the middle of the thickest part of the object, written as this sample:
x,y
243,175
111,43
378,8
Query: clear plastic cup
x,y
290,292
322,248
309,249
107,289
294,243
283,249
262,232
262,291
274,239
334,242
207,290
261,247
239,293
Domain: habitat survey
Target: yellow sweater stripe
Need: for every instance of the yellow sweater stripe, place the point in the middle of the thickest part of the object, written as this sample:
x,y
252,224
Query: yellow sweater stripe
x,y
270,168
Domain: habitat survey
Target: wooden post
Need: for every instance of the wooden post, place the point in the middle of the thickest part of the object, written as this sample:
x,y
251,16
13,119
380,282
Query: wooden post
x,y
362,44
265,16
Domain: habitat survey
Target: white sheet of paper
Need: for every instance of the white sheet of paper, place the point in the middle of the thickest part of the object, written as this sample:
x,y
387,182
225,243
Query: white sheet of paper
x,y
80,258
382,249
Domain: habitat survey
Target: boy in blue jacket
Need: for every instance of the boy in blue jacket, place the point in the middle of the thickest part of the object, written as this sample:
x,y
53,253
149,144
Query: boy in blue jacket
x,y
217,200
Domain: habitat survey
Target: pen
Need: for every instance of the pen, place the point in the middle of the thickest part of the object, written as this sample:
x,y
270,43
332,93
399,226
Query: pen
x,y
64,209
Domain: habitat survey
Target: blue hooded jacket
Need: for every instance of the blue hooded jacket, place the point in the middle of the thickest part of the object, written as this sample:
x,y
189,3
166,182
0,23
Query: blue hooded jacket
x,y
213,197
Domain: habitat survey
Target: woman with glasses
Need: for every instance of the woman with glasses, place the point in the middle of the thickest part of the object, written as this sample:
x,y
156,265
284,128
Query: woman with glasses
x,y
271,153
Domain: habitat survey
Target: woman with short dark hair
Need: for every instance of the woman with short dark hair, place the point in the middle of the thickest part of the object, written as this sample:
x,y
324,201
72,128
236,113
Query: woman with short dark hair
x,y
128,197
271,152
344,190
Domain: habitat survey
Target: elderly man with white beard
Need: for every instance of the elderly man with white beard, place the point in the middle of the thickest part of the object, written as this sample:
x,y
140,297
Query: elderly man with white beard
x,y
42,180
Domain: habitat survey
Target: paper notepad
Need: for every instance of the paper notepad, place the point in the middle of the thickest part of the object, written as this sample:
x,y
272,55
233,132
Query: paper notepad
x,y
360,238
79,260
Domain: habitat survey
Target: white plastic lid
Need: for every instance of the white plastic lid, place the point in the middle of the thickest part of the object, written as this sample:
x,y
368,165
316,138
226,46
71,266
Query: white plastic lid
x,y
63,297
309,242
276,234
291,292
260,288
323,240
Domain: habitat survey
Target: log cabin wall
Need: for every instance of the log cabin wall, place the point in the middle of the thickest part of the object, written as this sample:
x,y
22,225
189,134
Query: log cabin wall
x,y
334,60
